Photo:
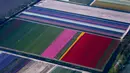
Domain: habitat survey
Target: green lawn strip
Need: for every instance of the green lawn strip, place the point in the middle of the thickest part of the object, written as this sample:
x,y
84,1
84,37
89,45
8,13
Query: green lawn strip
x,y
12,39
8,29
44,40
63,70
29,38
32,37
38,39
67,46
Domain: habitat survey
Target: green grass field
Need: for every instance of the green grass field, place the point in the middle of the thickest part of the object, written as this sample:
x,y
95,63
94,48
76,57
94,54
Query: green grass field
x,y
63,70
27,36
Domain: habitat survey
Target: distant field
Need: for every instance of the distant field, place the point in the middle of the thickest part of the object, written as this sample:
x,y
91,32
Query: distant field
x,y
121,5
82,2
